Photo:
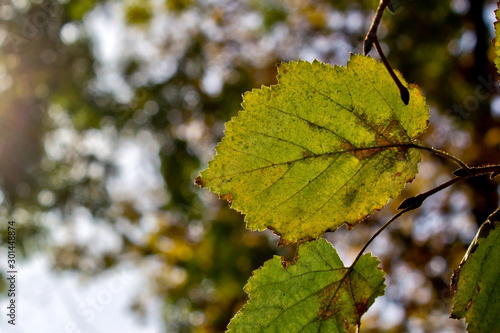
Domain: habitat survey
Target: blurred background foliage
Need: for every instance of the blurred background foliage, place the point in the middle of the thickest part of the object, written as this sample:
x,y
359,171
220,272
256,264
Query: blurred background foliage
x,y
111,108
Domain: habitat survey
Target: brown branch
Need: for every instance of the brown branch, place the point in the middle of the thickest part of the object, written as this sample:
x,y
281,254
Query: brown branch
x,y
372,39
371,36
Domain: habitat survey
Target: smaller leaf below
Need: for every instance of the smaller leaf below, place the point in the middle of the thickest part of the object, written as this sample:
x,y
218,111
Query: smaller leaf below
x,y
316,293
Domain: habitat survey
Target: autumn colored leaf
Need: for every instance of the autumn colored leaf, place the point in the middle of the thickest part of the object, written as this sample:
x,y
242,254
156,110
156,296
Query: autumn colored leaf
x,y
314,294
326,146
477,280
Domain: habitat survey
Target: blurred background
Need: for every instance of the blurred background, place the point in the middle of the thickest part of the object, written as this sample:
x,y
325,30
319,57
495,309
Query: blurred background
x,y
110,109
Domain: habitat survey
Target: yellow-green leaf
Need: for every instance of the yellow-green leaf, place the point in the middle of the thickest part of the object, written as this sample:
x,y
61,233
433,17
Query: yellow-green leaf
x,y
314,294
326,146
477,280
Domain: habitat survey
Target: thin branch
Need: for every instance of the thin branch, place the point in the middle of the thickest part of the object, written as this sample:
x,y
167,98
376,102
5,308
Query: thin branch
x,y
372,39
371,36
416,201
375,235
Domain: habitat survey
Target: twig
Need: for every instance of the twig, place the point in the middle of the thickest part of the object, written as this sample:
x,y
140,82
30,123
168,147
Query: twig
x,y
372,39
371,36
375,235
416,201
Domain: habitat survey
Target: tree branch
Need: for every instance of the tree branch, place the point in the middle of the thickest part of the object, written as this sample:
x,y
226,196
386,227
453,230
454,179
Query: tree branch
x,y
372,39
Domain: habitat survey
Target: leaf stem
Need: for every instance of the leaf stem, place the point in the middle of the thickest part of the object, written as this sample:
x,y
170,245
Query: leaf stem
x,y
375,235
372,39
403,91
435,151
444,154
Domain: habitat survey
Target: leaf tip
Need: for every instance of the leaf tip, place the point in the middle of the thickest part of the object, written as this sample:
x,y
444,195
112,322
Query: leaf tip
x,y
289,240
285,263
349,226
227,196
200,181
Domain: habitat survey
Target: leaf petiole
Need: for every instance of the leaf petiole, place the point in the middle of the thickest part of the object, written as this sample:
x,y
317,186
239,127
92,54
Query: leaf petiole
x,y
441,153
372,39
403,91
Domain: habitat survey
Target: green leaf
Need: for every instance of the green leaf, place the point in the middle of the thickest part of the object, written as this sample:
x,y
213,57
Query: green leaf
x,y
314,294
326,146
477,280
496,40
